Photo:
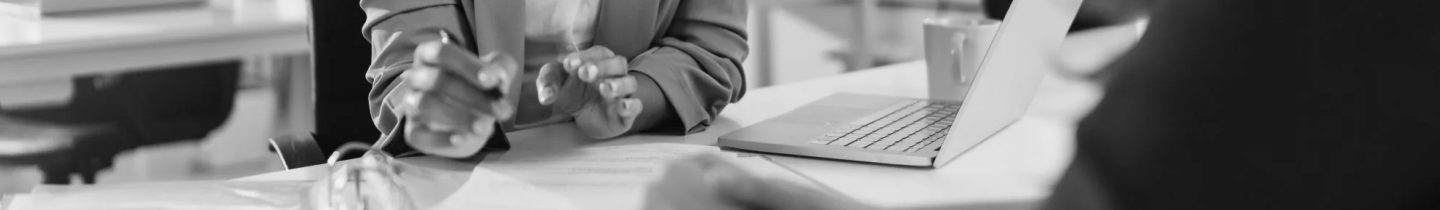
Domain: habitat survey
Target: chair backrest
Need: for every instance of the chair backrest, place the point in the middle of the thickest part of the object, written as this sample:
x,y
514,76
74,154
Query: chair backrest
x,y
340,56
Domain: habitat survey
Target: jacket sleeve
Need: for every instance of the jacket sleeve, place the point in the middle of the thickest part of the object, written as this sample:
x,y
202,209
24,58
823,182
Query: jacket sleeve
x,y
394,28
697,62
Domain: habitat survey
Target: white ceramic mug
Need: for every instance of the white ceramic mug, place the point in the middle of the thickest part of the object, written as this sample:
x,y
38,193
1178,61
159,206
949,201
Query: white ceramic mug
x,y
954,48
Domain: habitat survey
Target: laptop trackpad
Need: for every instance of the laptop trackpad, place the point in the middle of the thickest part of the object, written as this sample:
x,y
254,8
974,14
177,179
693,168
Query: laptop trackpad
x,y
821,115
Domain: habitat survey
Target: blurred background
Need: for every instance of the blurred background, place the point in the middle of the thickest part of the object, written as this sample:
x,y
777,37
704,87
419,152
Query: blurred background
x,y
245,69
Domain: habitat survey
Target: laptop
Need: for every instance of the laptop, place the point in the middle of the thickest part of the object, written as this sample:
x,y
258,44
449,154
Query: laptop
x,y
920,132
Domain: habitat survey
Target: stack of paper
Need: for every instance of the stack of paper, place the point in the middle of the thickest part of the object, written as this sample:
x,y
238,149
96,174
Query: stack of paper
x,y
614,177
169,195
591,178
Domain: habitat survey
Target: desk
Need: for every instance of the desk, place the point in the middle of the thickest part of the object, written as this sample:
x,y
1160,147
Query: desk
x,y
129,39
1018,164
55,48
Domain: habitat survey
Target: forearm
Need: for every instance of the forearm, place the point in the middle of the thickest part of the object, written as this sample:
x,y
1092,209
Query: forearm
x,y
394,29
696,65
657,111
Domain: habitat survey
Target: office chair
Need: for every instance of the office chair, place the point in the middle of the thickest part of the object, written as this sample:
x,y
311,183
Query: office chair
x,y
340,56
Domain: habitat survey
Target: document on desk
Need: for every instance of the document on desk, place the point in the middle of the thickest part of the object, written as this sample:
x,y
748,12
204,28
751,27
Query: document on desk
x,y
613,177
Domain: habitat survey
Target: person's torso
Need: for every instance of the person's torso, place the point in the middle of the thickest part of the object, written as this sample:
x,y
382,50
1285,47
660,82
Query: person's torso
x,y
553,28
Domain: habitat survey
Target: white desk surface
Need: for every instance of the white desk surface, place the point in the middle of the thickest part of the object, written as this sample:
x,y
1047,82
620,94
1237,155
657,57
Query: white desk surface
x,y
95,42
1017,165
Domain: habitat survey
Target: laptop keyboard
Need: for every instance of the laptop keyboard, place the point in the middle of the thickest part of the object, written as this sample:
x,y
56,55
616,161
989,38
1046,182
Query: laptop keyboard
x,y
907,126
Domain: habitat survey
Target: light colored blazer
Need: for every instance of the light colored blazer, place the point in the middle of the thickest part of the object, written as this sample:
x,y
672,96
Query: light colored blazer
x,y
692,49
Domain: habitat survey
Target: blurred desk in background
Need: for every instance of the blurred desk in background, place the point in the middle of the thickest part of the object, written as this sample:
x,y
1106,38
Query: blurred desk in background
x,y
260,32
95,42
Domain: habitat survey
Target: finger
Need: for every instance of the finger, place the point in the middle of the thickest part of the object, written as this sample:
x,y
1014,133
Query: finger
x,y
449,58
616,88
573,95
601,68
421,77
483,126
454,144
438,115
462,91
404,101
478,135
574,60
627,109
430,142
548,83
473,99
500,70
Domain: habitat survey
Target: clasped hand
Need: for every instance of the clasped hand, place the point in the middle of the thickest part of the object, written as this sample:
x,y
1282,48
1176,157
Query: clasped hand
x,y
595,87
451,98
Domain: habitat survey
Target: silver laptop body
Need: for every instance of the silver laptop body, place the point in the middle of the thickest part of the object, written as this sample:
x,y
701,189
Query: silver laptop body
x,y
919,132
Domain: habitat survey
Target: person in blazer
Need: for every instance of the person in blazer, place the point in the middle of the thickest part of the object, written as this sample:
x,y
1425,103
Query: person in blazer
x,y
448,75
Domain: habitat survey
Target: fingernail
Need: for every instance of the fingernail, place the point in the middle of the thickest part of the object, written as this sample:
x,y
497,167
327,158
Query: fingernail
x,y
632,106
607,88
457,139
423,78
478,126
413,99
589,72
483,126
502,110
427,51
546,94
488,57
488,78
570,63
504,81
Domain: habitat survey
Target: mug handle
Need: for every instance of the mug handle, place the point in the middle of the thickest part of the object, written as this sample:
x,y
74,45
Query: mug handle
x,y
957,54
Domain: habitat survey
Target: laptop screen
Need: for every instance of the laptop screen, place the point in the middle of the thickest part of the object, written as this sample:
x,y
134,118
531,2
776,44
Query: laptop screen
x,y
1009,76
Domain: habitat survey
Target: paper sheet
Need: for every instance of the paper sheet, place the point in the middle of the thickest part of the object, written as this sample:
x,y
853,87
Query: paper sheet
x,y
169,195
590,178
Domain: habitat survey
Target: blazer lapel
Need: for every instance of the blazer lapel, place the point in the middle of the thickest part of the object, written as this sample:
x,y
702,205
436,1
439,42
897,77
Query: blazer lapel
x,y
499,25
627,26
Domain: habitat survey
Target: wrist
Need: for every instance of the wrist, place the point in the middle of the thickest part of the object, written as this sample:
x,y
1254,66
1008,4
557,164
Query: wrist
x,y
656,109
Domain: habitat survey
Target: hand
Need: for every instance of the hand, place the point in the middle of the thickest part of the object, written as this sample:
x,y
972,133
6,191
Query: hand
x,y
594,86
451,98
710,181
